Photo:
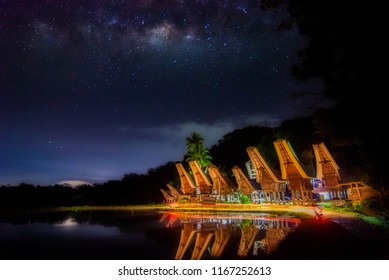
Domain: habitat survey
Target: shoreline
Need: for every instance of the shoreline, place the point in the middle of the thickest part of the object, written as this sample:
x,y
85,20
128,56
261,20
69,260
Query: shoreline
x,y
302,211
193,207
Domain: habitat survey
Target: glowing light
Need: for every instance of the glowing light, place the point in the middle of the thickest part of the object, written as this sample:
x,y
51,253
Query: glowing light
x,y
69,222
73,183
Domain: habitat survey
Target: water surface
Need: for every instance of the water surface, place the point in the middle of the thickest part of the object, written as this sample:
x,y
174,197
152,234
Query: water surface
x,y
152,235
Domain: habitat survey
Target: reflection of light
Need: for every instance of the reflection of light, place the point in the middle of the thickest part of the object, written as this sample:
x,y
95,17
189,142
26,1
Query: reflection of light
x,y
69,222
229,217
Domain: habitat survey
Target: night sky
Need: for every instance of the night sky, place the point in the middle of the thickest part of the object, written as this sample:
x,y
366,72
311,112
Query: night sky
x,y
91,90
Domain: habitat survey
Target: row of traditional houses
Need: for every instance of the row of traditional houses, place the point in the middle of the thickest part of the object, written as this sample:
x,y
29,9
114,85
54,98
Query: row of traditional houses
x,y
264,184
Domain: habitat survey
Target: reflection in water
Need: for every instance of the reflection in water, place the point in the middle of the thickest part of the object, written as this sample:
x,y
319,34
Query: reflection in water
x,y
69,222
152,235
85,235
208,236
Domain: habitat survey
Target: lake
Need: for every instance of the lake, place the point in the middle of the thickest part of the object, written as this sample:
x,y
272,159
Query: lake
x,y
155,235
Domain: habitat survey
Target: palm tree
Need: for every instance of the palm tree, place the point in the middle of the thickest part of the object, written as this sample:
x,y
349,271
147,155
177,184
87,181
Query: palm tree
x,y
194,139
197,151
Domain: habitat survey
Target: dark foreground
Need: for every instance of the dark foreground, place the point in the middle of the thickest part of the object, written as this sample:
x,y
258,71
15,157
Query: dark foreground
x,y
347,238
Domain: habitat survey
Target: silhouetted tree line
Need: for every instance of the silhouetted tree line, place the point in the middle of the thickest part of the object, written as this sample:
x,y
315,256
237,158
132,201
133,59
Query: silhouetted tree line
x,y
131,189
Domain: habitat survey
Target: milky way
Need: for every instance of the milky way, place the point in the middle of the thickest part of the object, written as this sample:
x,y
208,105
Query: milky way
x,y
94,89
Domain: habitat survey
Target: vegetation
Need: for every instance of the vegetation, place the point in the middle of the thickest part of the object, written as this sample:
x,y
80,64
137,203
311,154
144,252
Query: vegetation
x,y
367,207
244,199
197,150
130,190
231,149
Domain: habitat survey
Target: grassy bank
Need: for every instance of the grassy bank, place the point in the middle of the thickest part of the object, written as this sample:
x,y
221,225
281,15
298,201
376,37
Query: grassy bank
x,y
301,211
360,211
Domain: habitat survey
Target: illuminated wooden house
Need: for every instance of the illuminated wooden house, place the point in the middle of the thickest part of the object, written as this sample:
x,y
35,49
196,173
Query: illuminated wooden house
x,y
299,183
171,196
326,168
202,183
187,185
332,186
244,185
328,175
273,187
174,192
168,198
357,190
222,186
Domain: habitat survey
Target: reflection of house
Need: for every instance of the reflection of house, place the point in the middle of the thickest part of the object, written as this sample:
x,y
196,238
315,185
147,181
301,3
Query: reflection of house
x,y
273,187
299,183
199,234
275,233
222,237
247,239
171,219
203,238
186,238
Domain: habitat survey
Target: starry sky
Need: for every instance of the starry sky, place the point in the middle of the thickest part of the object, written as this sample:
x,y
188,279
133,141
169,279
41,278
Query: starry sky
x,y
92,90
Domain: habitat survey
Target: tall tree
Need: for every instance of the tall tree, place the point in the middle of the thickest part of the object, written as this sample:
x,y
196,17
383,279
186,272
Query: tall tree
x,y
197,151
231,149
344,50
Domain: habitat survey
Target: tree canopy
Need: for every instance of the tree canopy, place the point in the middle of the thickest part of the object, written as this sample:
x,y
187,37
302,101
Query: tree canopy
x,y
197,150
